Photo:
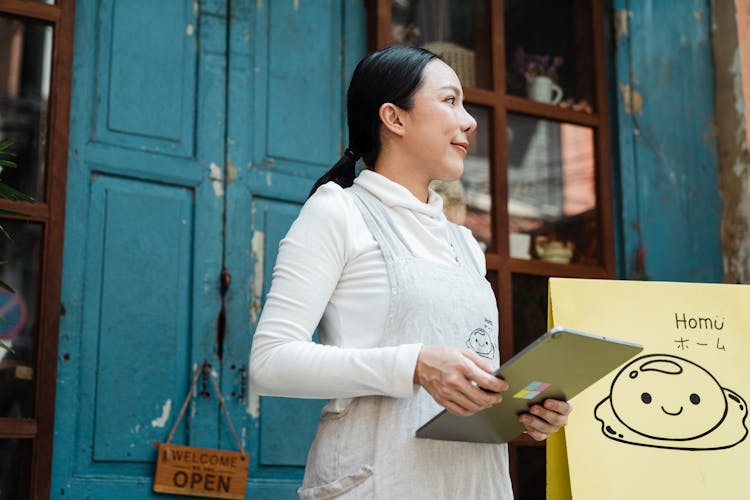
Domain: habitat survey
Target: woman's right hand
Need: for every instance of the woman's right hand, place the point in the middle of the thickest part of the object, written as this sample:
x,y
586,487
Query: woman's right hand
x,y
458,379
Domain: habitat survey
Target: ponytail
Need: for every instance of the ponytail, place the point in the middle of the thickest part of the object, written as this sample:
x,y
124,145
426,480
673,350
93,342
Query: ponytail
x,y
392,74
342,173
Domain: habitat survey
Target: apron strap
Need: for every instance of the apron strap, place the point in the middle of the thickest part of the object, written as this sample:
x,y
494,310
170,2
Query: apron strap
x,y
385,231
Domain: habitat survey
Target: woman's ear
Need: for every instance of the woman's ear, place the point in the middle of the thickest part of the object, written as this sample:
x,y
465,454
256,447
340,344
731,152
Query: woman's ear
x,y
393,119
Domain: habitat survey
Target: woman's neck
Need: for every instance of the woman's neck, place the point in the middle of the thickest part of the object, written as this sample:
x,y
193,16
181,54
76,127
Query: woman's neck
x,y
397,169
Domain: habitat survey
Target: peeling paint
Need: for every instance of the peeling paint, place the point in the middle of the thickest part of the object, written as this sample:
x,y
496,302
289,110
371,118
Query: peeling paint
x,y
253,404
621,18
162,420
137,428
735,70
296,4
698,15
257,248
259,4
215,177
196,6
731,48
189,30
269,179
231,173
632,100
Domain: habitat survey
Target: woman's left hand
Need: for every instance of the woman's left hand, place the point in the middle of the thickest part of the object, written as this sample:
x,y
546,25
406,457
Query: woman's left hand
x,y
545,419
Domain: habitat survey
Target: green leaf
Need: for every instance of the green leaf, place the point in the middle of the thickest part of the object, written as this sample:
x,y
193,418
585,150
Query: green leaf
x,y
8,348
6,286
9,193
5,145
5,233
7,163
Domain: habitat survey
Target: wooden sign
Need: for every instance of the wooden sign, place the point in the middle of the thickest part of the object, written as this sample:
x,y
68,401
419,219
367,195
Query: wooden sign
x,y
201,472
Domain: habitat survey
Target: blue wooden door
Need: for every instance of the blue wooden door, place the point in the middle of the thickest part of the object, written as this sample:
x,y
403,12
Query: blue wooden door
x,y
197,129
290,82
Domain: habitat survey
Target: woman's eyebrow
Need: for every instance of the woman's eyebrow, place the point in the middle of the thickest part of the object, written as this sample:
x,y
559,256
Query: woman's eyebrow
x,y
453,88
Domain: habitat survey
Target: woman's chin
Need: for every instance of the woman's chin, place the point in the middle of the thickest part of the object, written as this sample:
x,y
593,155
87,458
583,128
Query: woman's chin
x,y
451,172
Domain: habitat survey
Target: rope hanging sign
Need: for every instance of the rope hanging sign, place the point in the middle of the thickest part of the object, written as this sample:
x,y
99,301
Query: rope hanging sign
x,y
201,472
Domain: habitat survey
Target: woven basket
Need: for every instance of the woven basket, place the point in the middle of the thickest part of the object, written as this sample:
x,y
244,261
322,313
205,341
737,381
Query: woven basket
x,y
461,59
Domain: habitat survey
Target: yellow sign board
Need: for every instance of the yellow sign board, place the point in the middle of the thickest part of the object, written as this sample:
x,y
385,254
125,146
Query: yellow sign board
x,y
671,422
201,472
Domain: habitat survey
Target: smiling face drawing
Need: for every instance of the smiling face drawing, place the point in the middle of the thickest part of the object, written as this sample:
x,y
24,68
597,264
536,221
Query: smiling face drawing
x,y
668,397
666,401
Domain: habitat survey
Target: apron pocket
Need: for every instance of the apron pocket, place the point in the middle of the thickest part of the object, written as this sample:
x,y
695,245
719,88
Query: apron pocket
x,y
339,487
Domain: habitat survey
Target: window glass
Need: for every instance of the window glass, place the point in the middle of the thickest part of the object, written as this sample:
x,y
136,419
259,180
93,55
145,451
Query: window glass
x,y
532,474
456,30
20,310
15,461
548,52
552,206
25,62
529,309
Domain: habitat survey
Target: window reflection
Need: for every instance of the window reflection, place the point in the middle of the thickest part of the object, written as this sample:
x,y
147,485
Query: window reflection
x,y
551,191
15,460
20,310
456,30
25,62
529,309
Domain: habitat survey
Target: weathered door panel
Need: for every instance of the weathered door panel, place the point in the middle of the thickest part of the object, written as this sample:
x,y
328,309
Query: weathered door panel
x,y
143,245
288,68
668,183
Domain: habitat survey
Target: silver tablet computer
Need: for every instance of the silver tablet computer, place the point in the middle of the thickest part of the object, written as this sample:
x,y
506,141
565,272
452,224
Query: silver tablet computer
x,y
558,365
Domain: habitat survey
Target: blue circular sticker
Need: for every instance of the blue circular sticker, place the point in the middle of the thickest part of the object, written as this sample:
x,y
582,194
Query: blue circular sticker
x,y
13,314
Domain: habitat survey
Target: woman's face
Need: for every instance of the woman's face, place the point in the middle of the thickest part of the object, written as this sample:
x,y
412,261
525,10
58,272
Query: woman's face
x,y
438,128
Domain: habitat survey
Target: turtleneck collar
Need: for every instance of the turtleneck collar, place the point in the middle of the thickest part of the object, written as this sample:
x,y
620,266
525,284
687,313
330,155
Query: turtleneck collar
x,y
393,194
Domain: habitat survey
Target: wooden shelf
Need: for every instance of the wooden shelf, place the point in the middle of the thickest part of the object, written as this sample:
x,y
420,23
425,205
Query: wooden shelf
x,y
537,267
18,428
31,10
548,111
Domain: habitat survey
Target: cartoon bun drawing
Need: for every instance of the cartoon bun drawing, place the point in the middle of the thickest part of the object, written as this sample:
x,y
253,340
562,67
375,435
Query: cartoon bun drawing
x,y
480,342
666,401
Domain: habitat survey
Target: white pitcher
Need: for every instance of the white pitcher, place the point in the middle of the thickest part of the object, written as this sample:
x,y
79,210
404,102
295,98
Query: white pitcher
x,y
543,89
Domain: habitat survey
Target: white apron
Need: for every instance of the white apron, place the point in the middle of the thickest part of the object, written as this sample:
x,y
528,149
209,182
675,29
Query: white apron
x,y
368,450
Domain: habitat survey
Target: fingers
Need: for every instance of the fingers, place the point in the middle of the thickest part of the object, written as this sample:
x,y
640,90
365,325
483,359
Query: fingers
x,y
459,390
545,419
459,381
480,371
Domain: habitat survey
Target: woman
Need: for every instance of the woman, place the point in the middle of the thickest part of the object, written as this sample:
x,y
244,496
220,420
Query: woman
x,y
396,293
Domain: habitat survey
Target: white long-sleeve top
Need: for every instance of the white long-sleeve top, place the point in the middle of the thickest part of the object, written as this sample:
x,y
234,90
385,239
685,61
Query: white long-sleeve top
x,y
330,274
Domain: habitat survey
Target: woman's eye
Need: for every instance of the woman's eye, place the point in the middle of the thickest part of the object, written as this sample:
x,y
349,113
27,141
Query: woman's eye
x,y
451,100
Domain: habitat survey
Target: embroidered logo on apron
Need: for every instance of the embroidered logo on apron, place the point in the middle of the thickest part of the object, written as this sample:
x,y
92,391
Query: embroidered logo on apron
x,y
480,340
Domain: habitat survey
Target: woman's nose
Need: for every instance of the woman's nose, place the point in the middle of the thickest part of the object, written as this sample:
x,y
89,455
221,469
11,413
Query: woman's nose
x,y
468,123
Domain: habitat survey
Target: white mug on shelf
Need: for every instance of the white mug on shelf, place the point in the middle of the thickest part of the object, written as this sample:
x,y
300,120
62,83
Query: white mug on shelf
x,y
543,89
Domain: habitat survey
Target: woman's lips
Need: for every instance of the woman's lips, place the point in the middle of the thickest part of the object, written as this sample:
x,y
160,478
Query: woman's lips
x,y
460,146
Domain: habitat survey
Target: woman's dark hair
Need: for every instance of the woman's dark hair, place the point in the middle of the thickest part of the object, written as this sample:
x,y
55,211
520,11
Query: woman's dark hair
x,y
392,74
